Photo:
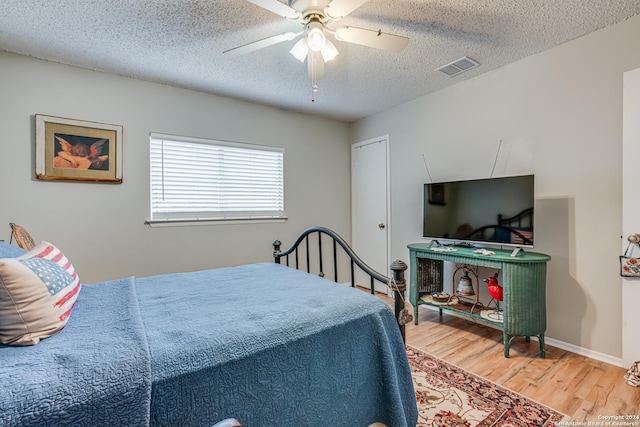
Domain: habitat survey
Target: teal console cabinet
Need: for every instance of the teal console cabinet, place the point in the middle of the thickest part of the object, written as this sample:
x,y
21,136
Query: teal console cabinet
x,y
523,283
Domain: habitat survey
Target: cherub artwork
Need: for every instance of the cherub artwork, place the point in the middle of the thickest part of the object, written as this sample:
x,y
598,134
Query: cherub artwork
x,y
82,153
77,150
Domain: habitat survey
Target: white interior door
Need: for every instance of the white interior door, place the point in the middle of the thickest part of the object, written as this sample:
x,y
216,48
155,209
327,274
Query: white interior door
x,y
370,207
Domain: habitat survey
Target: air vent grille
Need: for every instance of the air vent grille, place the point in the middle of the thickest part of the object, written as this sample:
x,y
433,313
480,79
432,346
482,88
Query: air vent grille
x,y
460,66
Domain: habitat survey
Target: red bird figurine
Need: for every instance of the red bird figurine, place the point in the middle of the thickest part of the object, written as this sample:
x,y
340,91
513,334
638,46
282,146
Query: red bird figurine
x,y
495,290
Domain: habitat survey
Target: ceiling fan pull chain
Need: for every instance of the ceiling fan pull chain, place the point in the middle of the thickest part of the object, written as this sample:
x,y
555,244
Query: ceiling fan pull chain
x,y
314,80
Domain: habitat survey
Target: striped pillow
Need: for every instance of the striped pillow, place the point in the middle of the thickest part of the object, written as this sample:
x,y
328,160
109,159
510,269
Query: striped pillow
x,y
37,293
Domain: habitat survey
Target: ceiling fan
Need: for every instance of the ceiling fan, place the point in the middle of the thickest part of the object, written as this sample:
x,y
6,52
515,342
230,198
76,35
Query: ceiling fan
x,y
316,16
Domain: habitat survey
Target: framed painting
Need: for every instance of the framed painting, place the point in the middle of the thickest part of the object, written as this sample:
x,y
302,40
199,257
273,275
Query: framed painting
x,y
78,150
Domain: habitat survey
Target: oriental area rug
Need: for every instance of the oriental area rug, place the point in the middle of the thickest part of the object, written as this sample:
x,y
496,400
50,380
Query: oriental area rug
x,y
451,397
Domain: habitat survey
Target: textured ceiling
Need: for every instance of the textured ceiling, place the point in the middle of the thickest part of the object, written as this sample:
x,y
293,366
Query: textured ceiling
x,y
180,43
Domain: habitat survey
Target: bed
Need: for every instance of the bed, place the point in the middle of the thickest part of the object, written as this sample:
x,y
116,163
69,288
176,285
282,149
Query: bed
x,y
265,343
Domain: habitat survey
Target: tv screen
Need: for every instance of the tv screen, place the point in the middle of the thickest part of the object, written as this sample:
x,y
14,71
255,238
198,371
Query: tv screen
x,y
493,210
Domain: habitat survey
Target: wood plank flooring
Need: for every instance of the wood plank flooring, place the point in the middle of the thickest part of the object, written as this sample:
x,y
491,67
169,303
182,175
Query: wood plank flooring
x,y
574,385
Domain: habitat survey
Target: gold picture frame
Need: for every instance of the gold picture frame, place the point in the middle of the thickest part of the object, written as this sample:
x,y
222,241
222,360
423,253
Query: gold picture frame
x,y
78,150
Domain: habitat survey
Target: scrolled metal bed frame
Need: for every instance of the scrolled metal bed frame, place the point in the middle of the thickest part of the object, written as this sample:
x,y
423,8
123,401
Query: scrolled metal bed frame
x,y
524,218
396,281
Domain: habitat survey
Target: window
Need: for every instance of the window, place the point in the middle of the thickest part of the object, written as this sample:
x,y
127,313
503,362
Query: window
x,y
198,179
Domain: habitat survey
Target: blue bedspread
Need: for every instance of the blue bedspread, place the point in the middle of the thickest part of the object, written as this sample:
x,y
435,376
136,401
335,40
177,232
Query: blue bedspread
x,y
289,349
95,372
263,343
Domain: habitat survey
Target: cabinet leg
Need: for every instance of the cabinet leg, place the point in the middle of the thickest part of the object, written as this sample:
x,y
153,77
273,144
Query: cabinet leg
x,y
507,344
415,314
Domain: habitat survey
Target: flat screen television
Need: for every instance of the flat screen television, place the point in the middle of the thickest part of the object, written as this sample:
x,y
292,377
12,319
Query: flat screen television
x,y
496,211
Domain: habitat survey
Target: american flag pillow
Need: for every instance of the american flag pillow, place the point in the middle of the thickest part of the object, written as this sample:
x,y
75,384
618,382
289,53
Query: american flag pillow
x,y
37,293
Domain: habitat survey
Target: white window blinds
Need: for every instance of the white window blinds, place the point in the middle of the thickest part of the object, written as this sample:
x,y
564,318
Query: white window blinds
x,y
199,179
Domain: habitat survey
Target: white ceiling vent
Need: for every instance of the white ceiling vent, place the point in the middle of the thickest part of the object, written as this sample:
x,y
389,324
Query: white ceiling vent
x,y
459,66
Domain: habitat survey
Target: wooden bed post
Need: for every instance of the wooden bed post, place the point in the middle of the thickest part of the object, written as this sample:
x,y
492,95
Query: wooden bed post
x,y
276,251
398,268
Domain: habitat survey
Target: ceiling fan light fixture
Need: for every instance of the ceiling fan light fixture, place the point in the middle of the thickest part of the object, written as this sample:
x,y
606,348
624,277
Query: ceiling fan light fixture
x,y
300,50
329,51
314,47
316,38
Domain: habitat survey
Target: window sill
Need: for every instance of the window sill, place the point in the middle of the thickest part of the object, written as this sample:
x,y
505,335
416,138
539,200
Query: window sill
x,y
212,221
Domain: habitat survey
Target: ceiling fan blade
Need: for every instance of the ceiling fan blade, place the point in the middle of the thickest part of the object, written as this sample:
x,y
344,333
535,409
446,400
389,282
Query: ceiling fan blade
x,y
315,66
375,39
260,44
278,8
340,8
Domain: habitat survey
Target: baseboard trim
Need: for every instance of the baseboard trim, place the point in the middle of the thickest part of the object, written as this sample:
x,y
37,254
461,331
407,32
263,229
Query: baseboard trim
x,y
602,357
616,361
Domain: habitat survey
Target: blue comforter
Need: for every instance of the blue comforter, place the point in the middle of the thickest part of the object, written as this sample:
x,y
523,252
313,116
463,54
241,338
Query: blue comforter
x,y
263,343
96,372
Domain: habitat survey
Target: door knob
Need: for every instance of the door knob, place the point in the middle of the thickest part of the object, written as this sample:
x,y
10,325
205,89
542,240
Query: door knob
x,y
381,226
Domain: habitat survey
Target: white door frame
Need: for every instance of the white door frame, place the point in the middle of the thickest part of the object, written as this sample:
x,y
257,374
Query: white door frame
x,y
630,212
354,146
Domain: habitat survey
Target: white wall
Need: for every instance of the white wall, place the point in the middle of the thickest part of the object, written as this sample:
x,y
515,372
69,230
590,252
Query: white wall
x,y
101,226
559,116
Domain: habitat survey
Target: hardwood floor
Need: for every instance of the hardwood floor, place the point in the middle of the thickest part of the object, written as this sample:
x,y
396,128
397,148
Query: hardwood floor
x,y
582,388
